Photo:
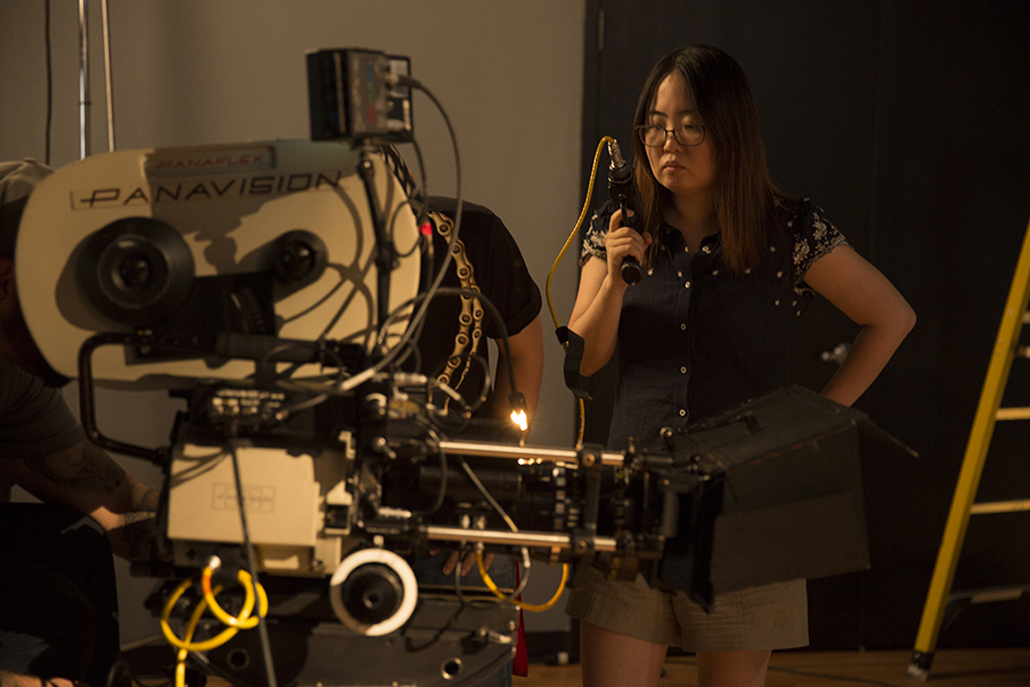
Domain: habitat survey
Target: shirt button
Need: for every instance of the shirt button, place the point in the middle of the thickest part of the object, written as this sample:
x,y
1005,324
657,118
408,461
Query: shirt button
x,y
679,274
683,370
683,326
687,285
682,412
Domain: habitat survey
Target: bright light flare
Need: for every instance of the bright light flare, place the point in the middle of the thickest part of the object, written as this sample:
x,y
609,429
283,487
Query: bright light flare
x,y
519,418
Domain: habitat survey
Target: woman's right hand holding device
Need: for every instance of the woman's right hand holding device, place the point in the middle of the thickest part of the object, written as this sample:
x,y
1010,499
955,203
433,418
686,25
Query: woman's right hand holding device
x,y
620,242
595,316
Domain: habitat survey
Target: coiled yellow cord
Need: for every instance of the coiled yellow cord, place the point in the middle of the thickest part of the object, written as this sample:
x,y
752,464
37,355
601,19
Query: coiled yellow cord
x,y
243,621
533,608
561,254
191,627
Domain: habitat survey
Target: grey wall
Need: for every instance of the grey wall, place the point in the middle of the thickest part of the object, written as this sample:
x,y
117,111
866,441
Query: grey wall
x,y
194,72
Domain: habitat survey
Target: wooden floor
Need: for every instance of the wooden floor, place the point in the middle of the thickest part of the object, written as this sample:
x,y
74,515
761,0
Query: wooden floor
x,y
951,668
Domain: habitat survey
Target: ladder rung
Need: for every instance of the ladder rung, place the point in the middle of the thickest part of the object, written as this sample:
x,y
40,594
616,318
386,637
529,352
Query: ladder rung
x,y
989,594
1000,507
988,597
1013,414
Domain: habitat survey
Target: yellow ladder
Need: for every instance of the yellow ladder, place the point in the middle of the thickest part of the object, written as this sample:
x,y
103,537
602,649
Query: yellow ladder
x,y
988,412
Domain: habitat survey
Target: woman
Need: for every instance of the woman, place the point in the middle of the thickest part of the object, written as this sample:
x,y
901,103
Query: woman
x,y
729,264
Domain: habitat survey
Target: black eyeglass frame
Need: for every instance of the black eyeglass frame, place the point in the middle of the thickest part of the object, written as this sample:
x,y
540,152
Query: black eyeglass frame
x,y
642,128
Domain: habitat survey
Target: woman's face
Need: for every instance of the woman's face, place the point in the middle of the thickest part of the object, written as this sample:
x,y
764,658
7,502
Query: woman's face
x,y
685,171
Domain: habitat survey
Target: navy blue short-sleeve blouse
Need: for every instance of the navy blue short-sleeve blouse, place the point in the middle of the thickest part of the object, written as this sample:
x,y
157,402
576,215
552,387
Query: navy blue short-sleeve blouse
x,y
694,338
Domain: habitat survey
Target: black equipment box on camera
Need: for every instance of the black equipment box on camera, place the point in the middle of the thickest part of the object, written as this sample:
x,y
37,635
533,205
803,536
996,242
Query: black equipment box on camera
x,y
782,498
350,96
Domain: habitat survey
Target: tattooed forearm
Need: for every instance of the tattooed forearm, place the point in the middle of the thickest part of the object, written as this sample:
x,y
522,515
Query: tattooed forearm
x,y
83,467
133,540
148,502
133,518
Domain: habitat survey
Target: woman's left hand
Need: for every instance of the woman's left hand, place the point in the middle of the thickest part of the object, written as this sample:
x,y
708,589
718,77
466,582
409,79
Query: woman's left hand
x,y
865,295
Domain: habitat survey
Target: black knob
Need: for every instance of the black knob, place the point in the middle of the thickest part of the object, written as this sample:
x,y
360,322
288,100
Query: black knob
x,y
299,257
372,593
134,272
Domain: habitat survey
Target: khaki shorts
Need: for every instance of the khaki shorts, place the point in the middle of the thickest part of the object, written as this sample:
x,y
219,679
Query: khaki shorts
x,y
773,616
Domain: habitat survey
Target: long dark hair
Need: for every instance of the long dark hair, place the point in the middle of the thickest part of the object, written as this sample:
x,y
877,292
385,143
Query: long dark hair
x,y
745,197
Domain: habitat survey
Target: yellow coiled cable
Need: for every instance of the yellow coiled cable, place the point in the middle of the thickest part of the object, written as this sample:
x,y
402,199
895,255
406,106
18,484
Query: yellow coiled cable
x,y
561,254
534,608
243,621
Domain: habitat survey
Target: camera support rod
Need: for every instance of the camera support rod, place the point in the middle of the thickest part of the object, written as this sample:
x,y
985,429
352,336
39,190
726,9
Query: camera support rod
x,y
386,254
536,539
583,457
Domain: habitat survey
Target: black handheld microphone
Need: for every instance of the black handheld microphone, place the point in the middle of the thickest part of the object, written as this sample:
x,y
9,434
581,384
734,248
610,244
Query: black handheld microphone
x,y
624,195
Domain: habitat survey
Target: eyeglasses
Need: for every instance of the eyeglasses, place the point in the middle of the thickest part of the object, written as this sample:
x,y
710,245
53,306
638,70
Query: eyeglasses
x,y
654,136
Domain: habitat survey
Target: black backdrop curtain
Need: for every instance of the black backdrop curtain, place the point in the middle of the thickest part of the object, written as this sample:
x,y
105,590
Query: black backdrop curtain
x,y
908,123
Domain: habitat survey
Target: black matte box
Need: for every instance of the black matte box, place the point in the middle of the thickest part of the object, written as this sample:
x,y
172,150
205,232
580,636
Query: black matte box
x,y
783,499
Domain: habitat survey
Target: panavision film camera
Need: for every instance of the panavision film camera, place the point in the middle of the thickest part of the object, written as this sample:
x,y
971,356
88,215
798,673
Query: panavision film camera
x,y
275,287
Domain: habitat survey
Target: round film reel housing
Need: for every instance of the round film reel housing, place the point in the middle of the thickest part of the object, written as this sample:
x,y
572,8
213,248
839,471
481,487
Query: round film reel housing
x,y
136,271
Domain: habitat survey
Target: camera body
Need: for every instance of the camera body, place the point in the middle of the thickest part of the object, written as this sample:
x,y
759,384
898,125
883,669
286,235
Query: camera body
x,y
273,287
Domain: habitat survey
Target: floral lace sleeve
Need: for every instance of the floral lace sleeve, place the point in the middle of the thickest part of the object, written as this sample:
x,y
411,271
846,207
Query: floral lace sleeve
x,y
593,241
814,237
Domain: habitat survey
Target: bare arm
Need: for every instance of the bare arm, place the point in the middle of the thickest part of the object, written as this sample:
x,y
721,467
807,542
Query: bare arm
x,y
595,316
862,293
527,358
86,478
